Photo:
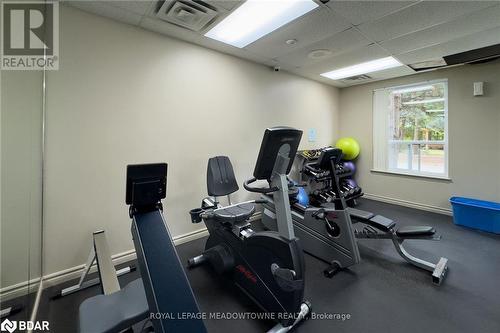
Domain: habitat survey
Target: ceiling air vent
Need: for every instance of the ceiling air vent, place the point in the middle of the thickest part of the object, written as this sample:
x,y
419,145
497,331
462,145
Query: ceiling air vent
x,y
190,14
429,64
478,55
356,78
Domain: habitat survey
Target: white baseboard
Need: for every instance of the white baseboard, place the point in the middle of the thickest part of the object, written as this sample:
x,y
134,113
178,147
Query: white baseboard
x,y
19,289
190,236
55,278
23,288
405,203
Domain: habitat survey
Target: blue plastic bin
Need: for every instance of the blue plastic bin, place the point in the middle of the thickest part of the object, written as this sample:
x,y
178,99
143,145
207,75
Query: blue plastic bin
x,y
477,214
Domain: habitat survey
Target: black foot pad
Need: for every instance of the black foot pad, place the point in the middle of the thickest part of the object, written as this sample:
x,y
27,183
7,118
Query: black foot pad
x,y
416,231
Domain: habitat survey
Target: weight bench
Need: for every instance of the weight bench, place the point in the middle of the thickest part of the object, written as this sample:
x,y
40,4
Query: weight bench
x,y
380,227
114,312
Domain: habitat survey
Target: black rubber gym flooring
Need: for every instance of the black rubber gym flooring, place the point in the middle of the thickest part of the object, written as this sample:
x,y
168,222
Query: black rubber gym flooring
x,y
381,294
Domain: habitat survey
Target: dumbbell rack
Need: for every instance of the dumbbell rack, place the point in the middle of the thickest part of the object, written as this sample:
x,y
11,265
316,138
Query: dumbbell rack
x,y
340,199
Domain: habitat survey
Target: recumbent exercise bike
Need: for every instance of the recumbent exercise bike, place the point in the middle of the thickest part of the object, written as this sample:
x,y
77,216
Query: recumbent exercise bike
x,y
268,266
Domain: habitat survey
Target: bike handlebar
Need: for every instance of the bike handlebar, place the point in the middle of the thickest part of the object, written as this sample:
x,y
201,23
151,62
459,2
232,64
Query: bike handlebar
x,y
263,190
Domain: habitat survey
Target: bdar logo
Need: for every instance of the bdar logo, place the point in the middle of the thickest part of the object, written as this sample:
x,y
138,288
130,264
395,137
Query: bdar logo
x,y
21,325
8,326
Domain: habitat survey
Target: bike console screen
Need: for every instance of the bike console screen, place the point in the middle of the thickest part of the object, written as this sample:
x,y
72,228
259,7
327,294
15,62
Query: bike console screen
x,y
274,139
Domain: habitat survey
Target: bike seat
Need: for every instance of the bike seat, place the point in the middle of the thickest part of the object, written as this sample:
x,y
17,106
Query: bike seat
x,y
415,231
234,213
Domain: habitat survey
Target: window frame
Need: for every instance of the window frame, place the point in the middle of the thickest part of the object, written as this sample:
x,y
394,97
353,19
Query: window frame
x,y
445,142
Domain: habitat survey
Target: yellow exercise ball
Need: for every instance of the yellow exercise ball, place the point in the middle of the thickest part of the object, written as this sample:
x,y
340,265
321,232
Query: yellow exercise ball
x,y
349,146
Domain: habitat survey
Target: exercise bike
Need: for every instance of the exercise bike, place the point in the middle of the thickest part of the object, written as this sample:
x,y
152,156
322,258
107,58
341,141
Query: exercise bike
x,y
268,266
326,231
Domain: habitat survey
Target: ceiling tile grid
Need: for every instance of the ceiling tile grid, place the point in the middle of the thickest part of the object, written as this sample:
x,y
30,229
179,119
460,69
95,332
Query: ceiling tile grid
x,y
391,72
482,20
418,17
136,7
466,43
161,27
363,54
357,12
350,31
226,4
312,27
342,42
105,9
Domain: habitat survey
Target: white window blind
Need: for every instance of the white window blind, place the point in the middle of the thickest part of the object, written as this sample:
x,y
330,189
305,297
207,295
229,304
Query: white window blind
x,y
410,125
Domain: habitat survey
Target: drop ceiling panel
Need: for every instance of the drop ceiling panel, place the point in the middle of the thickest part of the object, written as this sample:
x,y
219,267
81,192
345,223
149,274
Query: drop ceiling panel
x,y
420,16
475,22
226,4
466,43
391,72
164,28
356,56
104,9
424,25
358,12
161,27
312,27
137,7
342,42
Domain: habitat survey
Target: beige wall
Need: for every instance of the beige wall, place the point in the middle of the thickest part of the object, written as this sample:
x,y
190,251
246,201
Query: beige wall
x,y
21,187
474,138
124,95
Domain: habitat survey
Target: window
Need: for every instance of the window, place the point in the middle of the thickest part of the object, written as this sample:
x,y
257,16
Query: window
x,y
410,125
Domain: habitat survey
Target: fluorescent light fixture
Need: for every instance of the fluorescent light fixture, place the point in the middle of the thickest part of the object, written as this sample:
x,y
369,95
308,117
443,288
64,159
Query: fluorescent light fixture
x,y
412,89
256,18
424,101
363,68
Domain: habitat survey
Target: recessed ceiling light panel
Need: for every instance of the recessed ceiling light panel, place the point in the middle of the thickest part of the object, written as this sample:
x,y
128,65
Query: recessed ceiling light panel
x,y
257,18
363,68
